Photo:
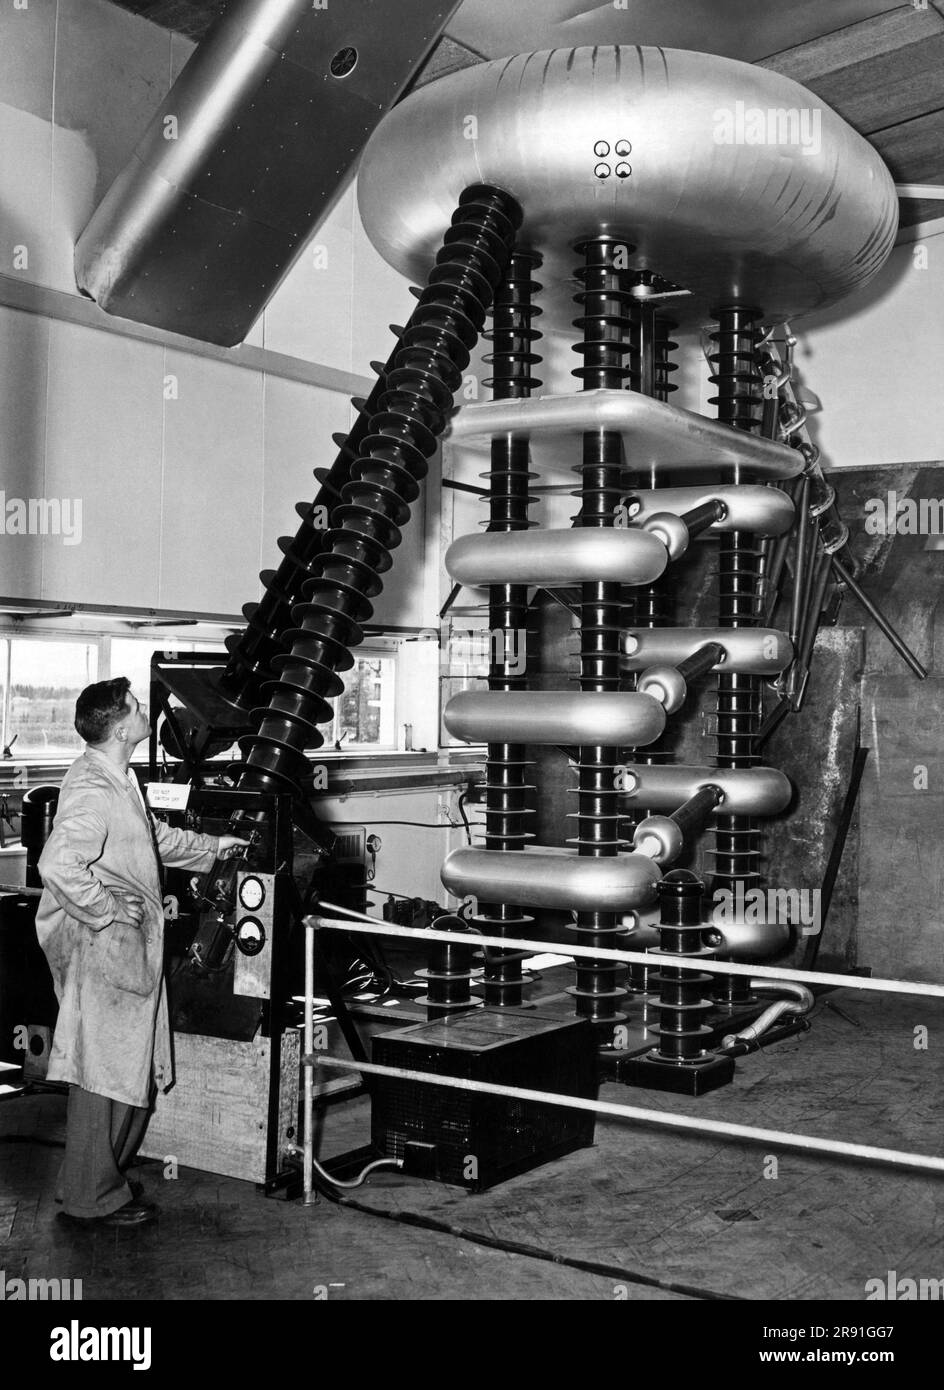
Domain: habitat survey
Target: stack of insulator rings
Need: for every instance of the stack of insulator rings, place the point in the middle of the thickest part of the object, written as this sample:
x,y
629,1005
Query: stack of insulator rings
x,y
608,319
610,335
665,345
449,973
512,333
506,790
653,609
736,373
739,400
682,1029
254,650
651,605
400,437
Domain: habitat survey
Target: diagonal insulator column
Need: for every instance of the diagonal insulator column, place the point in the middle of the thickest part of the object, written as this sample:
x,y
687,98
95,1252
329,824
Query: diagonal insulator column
x,y
608,337
506,788
740,402
255,651
392,460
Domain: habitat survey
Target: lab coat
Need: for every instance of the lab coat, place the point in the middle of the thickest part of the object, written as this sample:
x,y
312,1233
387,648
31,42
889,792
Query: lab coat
x,y
112,1034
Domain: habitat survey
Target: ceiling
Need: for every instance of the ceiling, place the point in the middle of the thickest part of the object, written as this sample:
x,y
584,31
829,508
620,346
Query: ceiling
x,y
879,63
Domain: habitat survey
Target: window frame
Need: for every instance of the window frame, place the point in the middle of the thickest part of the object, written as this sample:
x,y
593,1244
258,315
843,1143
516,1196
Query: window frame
x,y
101,637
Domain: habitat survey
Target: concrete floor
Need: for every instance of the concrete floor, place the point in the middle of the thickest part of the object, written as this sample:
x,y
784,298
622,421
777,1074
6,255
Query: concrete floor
x,y
706,1218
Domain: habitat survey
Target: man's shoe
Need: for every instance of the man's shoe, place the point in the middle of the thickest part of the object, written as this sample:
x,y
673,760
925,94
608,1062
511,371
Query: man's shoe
x,y
131,1214
136,1213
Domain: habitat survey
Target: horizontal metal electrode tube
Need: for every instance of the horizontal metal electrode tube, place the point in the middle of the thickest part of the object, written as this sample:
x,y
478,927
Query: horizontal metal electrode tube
x,y
580,555
554,716
552,878
756,651
748,791
764,510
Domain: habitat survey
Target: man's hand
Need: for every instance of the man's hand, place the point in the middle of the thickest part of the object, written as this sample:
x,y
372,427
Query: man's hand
x,y
130,910
231,846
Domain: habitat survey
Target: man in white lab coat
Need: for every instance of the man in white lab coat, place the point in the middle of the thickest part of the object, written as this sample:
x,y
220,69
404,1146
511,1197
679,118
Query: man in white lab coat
x,y
101,924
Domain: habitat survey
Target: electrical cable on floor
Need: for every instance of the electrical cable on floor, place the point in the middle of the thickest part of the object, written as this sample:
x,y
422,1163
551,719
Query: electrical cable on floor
x,y
355,1182
532,1252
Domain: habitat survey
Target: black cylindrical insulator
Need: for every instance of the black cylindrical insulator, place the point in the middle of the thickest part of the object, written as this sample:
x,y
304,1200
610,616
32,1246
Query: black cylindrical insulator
x,y
701,661
609,321
736,373
664,347
651,605
740,401
512,334
645,316
507,792
610,335
693,813
449,971
682,1008
399,438
703,517
37,814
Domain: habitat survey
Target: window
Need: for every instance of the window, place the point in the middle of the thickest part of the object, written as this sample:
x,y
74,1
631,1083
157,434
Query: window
x,y
466,655
41,683
42,675
364,712
131,657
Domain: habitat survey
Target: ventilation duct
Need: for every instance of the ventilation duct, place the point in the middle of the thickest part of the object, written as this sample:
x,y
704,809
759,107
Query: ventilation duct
x,y
245,156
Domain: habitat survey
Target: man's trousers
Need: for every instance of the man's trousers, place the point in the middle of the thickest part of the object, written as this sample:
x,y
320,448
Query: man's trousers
x,y
102,1136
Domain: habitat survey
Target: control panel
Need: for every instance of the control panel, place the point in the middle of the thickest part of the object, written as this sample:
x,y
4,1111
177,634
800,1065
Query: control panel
x,y
253,922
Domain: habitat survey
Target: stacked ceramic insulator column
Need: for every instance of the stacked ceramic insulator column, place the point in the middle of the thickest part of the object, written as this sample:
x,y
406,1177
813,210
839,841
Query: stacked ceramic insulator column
x,y
739,403
609,337
506,787
255,650
650,606
399,437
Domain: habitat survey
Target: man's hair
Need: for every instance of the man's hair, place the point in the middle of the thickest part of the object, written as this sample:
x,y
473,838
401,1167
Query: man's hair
x,y
99,707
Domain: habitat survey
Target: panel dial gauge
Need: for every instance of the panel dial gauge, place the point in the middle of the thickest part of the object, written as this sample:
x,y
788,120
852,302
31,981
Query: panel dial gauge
x,y
252,892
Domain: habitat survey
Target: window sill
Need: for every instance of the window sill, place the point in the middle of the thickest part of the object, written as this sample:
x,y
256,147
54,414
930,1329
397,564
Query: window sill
x,y
346,771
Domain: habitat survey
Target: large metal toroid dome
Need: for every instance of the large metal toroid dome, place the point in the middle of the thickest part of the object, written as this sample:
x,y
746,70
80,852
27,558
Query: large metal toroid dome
x,y
743,187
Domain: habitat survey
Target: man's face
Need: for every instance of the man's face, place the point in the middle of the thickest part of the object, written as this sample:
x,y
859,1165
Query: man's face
x,y
135,723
